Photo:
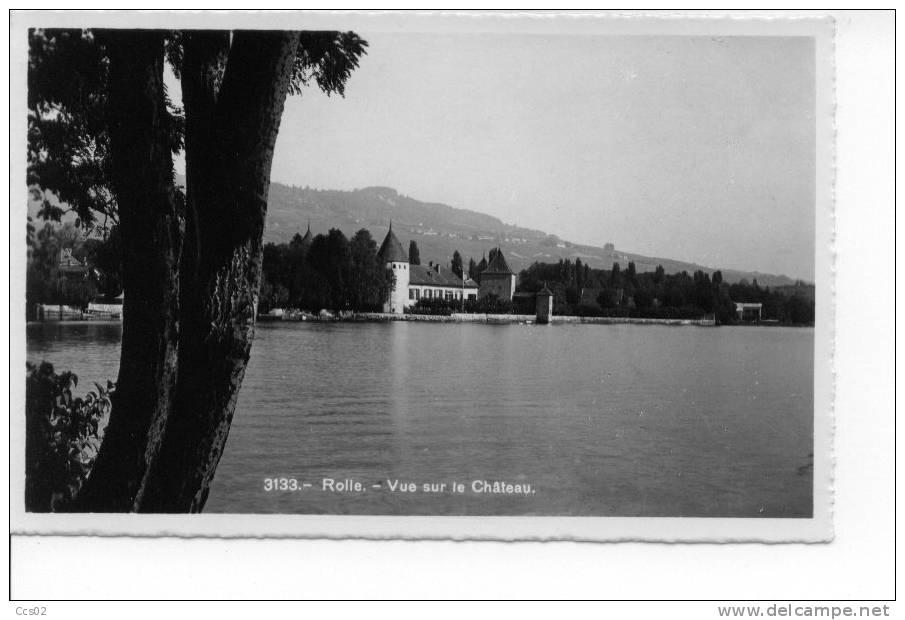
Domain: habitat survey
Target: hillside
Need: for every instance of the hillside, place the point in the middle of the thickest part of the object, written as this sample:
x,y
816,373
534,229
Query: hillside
x,y
440,229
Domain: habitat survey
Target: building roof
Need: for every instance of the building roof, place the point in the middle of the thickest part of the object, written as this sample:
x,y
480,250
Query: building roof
x,y
68,260
421,275
391,251
302,243
69,264
308,238
498,265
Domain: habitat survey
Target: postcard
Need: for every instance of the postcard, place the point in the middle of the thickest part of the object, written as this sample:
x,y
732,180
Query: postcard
x,y
456,276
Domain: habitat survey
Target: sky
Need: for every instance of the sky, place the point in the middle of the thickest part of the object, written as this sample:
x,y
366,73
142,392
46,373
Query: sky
x,y
692,148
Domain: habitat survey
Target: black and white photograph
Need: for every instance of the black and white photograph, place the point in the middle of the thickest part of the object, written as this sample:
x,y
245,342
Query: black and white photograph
x,y
570,269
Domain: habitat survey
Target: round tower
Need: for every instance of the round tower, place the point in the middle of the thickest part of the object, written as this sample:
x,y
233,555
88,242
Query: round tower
x,y
394,256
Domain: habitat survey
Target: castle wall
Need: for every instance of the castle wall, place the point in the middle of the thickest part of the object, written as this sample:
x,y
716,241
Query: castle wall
x,y
436,291
501,285
544,305
399,297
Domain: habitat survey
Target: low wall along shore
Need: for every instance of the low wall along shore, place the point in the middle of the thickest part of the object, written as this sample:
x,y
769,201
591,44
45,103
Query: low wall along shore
x,y
95,312
494,318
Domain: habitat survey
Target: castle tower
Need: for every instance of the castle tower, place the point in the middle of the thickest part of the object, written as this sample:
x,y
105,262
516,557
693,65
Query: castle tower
x,y
544,305
394,256
305,243
498,279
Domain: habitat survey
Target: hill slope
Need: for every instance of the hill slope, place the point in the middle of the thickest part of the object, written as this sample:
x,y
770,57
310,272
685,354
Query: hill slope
x,y
440,229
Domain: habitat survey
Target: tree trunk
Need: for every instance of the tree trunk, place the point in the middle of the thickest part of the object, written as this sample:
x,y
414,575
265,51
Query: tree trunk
x,y
231,130
151,227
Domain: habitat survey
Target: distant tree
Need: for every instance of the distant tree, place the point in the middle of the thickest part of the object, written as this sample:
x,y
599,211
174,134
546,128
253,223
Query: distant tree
x,y
456,264
724,308
616,276
659,274
297,270
573,295
800,311
607,298
658,295
414,253
331,256
370,281
472,267
643,298
579,274
631,274
275,265
703,291
479,269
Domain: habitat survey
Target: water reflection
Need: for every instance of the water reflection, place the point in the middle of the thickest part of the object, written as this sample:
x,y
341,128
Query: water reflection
x,y
601,420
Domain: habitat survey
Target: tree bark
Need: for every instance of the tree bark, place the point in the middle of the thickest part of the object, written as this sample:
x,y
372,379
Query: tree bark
x,y
231,130
151,227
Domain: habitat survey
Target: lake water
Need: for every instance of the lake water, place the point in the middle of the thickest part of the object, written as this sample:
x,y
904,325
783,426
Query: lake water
x,y
611,420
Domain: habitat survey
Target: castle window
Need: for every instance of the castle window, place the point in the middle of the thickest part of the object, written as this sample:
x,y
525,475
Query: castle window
x,y
413,294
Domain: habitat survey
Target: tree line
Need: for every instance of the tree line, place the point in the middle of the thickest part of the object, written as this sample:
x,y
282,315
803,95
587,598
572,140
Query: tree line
x,y
327,272
335,273
578,289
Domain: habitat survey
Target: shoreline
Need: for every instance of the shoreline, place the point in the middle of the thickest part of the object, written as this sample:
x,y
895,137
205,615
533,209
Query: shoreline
x,y
495,319
490,319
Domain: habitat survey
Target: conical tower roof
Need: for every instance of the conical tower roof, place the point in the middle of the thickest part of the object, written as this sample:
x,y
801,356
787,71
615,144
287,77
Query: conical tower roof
x,y
391,250
306,240
498,264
